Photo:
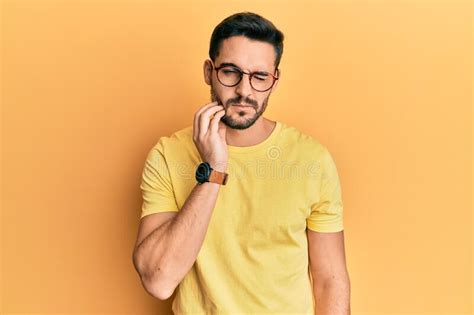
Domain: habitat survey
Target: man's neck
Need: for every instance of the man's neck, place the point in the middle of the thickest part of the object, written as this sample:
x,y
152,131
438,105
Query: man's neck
x,y
253,135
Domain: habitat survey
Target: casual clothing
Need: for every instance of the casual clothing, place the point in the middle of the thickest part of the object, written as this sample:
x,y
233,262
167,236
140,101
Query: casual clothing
x,y
254,259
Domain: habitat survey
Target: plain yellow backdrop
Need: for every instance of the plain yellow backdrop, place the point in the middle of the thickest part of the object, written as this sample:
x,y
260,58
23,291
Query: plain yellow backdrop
x,y
88,87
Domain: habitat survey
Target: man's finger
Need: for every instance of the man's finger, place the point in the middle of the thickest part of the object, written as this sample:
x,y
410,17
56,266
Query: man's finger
x,y
205,118
215,121
196,118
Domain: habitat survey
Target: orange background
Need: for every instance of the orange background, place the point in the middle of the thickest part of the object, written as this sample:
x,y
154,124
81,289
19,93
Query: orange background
x,y
88,87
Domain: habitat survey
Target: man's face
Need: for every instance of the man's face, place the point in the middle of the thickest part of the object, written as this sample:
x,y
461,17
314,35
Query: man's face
x,y
250,56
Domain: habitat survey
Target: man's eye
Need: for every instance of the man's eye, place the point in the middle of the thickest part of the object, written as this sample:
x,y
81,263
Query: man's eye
x,y
229,71
261,78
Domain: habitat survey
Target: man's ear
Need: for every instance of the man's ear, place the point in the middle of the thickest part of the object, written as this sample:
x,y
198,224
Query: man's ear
x,y
276,81
207,68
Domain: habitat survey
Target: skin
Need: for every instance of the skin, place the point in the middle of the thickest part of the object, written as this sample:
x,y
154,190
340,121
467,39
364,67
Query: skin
x,y
245,126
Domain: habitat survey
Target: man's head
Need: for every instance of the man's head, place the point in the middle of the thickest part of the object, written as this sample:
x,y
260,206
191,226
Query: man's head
x,y
249,43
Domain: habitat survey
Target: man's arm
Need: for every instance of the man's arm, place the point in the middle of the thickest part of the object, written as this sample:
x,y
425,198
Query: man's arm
x,y
163,257
331,284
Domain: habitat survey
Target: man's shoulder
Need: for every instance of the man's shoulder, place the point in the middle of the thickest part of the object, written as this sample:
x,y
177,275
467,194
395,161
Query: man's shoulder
x,y
177,140
298,139
183,134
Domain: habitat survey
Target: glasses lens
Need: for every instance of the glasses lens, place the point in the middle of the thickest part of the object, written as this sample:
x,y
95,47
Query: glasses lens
x,y
228,76
262,82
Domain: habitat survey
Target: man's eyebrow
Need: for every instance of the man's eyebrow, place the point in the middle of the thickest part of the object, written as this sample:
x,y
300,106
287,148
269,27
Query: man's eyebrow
x,y
227,64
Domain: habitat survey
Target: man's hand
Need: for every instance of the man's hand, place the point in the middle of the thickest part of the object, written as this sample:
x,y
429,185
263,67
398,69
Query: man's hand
x,y
209,135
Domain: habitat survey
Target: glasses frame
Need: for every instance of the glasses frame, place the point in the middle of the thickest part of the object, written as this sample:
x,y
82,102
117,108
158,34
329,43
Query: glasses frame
x,y
250,74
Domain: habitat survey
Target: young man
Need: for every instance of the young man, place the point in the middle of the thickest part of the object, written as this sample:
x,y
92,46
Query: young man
x,y
242,214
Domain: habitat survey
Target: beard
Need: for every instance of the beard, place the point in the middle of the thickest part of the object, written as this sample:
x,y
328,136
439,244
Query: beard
x,y
244,120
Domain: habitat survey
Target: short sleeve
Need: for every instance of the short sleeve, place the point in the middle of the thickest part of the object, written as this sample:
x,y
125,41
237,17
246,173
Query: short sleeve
x,y
327,214
156,187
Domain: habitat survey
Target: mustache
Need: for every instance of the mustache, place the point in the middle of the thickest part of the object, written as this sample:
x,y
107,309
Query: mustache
x,y
236,100
241,100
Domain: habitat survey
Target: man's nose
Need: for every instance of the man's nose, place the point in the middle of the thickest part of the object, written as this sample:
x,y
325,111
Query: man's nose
x,y
244,88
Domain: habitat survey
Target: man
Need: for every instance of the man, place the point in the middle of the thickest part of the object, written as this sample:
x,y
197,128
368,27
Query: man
x,y
242,214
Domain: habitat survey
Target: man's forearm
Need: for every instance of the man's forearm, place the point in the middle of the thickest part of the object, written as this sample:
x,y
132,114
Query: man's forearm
x,y
333,297
167,254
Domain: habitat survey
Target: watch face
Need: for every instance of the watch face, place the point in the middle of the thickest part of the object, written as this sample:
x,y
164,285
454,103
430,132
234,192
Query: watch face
x,y
203,172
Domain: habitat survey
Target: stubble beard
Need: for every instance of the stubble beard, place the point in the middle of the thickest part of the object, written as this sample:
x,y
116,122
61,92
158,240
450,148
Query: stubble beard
x,y
244,122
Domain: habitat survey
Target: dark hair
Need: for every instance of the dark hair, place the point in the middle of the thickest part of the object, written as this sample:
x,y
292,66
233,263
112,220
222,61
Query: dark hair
x,y
250,25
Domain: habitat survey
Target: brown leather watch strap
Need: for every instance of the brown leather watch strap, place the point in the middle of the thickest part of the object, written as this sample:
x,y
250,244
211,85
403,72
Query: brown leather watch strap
x,y
218,177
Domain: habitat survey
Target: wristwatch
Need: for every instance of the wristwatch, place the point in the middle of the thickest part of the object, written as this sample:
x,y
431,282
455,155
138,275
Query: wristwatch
x,y
205,173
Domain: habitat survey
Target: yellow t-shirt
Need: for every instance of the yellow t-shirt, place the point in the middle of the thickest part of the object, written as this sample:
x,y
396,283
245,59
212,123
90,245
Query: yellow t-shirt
x,y
254,259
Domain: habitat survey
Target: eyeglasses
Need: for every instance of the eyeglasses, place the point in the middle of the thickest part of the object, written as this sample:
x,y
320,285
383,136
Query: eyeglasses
x,y
230,75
